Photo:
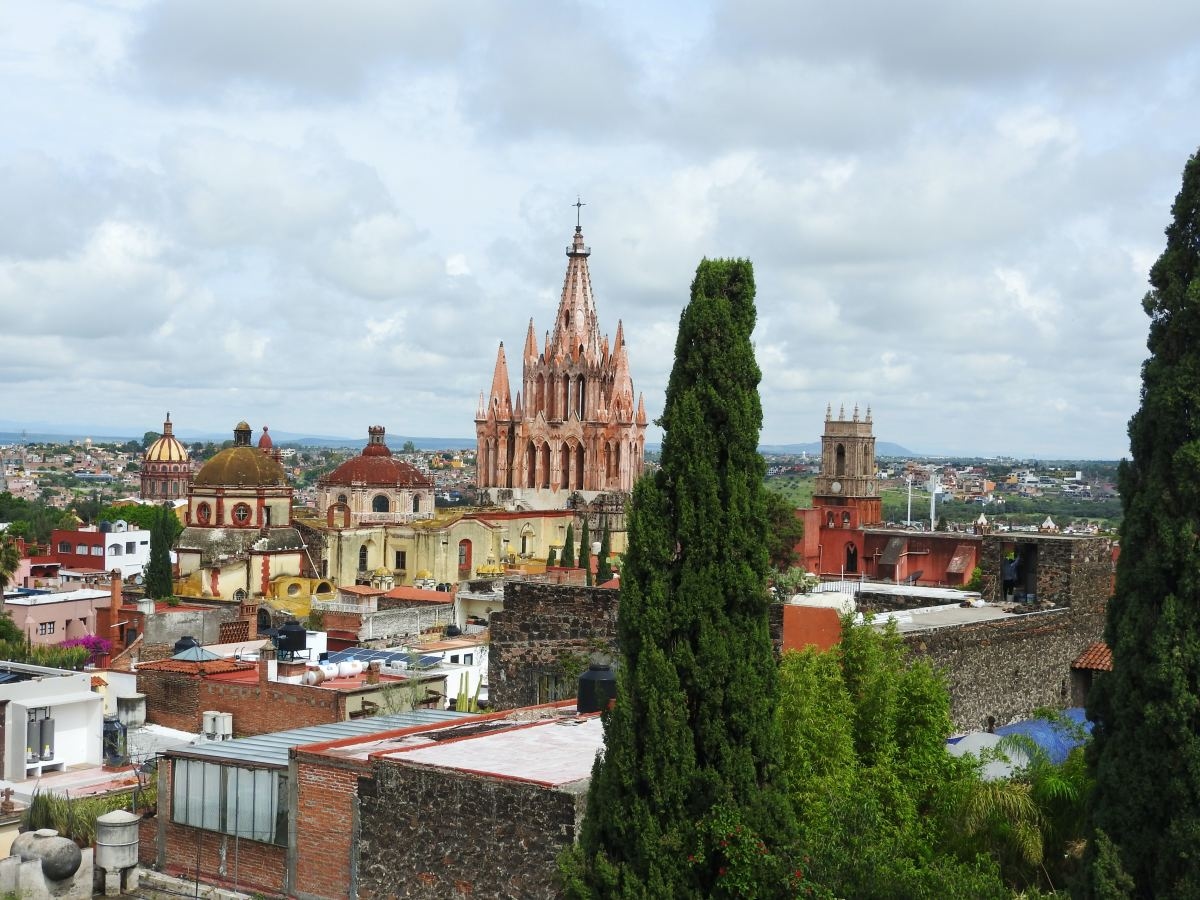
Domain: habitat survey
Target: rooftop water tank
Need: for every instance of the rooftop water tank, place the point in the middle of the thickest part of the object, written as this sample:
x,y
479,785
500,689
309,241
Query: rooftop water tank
x,y
187,642
117,840
292,637
597,686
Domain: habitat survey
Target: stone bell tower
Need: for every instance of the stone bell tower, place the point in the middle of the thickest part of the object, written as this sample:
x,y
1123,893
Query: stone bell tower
x,y
847,479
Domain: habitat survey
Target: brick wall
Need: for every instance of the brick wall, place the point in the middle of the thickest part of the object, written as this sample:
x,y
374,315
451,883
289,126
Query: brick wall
x,y
326,809
178,700
546,628
461,835
223,860
172,699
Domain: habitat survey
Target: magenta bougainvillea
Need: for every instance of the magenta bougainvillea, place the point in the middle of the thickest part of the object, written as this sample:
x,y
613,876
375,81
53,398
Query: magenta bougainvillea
x,y
95,645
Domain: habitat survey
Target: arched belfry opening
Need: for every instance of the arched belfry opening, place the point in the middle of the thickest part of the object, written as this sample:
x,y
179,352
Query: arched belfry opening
x,y
839,460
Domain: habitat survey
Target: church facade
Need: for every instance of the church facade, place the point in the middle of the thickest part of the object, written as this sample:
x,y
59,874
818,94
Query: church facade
x,y
574,428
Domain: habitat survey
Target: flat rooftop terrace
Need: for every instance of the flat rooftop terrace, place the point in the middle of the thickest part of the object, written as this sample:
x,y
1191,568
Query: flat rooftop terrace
x,y
551,752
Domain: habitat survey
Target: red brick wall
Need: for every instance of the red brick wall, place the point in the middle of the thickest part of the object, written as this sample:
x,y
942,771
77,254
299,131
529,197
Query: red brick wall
x,y
172,699
178,700
250,865
277,707
327,793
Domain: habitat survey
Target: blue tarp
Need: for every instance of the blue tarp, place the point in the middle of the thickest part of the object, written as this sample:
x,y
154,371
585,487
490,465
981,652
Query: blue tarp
x,y
1058,740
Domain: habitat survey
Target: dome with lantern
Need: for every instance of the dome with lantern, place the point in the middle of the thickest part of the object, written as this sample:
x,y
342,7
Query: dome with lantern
x,y
375,487
166,467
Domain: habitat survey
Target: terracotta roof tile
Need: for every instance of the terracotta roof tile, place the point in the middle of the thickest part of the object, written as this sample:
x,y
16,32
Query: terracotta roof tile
x,y
404,592
212,667
1096,657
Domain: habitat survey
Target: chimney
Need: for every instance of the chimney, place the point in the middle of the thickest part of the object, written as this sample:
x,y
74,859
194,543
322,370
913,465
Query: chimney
x,y
114,587
266,665
373,671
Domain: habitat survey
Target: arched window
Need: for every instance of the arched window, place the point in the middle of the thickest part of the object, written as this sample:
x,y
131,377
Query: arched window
x,y
239,595
362,558
380,504
545,466
845,520
839,457
464,557
416,503
114,549
564,465
851,558
829,520
342,499
531,466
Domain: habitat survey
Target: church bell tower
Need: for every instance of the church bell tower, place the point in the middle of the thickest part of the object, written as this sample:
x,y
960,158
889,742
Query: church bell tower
x,y
847,478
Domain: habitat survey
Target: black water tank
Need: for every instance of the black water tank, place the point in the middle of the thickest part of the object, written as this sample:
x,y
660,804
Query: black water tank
x,y
187,642
453,631
597,686
292,636
106,527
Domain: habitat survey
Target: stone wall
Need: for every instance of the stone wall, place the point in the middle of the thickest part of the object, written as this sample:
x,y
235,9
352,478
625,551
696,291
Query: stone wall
x,y
461,835
1007,668
324,813
547,629
1071,571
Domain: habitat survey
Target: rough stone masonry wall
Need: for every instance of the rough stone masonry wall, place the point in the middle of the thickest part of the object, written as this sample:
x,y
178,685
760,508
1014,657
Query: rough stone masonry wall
x,y
1009,667
549,629
433,834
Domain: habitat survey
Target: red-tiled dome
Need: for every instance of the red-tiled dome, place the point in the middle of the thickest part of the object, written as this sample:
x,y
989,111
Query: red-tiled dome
x,y
376,467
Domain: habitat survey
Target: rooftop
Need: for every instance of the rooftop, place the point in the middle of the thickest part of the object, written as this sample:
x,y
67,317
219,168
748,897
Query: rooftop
x,y
552,752
952,615
272,749
59,597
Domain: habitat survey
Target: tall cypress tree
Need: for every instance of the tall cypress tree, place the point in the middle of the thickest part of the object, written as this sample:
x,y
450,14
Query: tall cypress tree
x,y
568,551
603,567
690,746
585,552
159,585
1146,746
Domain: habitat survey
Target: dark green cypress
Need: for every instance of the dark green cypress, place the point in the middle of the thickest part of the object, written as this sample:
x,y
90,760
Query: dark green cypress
x,y
692,739
159,585
568,551
552,557
603,567
585,552
1146,747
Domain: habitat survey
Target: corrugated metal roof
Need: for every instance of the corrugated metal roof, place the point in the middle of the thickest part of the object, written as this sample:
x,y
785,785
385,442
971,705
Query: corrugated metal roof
x,y
272,749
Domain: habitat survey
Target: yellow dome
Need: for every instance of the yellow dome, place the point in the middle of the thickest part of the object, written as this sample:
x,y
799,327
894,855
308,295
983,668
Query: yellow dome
x,y
166,448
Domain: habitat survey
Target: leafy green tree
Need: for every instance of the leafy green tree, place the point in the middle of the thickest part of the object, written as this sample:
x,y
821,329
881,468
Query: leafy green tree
x,y
692,745
568,550
784,531
1146,740
409,447
863,731
585,551
142,516
604,570
158,572
149,438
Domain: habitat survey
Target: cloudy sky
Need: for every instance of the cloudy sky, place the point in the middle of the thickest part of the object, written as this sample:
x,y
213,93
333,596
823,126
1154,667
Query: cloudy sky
x,y
321,216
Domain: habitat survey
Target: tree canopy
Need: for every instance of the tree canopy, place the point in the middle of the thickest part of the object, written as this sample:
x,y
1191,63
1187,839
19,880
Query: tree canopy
x,y
1146,745
686,799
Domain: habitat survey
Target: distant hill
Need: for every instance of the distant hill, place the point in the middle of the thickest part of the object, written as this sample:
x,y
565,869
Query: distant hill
x,y
395,441
882,448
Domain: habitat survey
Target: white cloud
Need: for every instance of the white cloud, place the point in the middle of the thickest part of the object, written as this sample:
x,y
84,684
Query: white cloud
x,y
951,211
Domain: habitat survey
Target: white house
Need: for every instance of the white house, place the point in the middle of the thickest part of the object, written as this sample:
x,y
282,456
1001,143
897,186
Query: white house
x,y
52,720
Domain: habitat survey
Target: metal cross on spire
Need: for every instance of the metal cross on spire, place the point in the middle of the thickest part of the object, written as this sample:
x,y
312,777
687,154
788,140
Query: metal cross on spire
x,y
578,204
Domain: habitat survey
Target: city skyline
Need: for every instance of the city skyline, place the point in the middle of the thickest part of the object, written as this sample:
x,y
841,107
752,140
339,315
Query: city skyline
x,y
324,218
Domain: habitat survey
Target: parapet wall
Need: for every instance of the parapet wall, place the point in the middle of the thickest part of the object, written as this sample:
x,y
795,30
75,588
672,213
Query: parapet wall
x,y
547,631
